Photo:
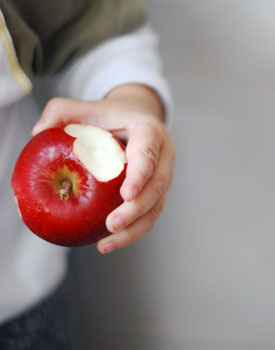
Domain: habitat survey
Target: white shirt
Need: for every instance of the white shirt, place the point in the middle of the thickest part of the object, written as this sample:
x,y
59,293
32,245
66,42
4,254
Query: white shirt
x,y
30,267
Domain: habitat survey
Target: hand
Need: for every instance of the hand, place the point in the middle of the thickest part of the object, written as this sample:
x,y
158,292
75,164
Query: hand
x,y
134,114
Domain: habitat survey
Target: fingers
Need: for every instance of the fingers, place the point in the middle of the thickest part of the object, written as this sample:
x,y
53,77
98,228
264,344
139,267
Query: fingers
x,y
133,232
60,111
142,154
138,217
156,187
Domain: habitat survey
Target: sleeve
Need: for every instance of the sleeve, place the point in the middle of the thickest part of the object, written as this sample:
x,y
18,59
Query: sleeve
x,y
129,58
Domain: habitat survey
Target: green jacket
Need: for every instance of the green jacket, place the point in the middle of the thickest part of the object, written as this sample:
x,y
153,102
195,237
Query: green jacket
x,y
49,33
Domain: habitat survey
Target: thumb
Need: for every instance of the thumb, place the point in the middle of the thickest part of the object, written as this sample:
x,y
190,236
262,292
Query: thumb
x,y
60,111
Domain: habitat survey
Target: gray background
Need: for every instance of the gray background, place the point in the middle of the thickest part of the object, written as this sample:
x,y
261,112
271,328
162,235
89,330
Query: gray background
x,y
205,277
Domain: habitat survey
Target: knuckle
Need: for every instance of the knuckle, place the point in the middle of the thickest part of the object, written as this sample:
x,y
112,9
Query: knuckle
x,y
150,155
151,224
139,210
156,211
155,123
54,105
158,184
160,129
127,240
143,177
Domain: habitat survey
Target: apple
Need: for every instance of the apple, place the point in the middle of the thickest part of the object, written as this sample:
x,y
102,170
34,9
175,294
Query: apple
x,y
67,180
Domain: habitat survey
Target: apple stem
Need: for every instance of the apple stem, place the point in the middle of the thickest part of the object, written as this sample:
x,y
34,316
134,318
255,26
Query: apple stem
x,y
66,189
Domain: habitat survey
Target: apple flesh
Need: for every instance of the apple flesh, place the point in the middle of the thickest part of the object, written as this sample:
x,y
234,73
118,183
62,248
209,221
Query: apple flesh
x,y
67,180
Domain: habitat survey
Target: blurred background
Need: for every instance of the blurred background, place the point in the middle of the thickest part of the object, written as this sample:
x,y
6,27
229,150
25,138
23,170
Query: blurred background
x,y
205,277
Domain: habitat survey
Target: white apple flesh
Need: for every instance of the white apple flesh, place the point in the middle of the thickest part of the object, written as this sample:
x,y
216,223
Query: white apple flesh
x,y
98,151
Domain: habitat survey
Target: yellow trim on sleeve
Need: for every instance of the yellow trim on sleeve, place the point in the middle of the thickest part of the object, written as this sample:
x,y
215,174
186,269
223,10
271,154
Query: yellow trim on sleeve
x,y
17,71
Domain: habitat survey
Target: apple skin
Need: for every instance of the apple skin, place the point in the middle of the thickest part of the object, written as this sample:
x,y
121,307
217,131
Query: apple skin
x,y
44,163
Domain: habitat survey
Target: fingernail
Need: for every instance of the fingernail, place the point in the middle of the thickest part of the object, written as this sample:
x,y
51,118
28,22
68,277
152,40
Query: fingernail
x,y
109,247
118,223
37,128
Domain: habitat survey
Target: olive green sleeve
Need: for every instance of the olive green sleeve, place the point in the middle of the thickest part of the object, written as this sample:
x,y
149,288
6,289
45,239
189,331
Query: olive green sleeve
x,y
48,34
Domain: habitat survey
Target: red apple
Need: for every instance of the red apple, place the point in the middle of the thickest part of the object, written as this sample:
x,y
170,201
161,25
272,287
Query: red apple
x,y
67,180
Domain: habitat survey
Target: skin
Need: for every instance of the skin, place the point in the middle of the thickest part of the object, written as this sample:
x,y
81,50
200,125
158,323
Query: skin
x,y
134,113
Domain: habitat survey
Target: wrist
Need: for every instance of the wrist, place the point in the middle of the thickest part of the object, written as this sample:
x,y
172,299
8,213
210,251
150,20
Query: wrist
x,y
139,94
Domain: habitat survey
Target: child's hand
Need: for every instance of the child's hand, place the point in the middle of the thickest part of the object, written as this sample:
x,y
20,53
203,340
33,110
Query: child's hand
x,y
134,114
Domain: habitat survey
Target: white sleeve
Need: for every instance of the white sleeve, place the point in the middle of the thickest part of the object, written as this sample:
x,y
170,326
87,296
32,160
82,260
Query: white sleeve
x,y
130,58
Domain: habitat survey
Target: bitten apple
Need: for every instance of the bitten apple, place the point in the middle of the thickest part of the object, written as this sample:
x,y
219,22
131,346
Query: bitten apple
x,y
67,180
